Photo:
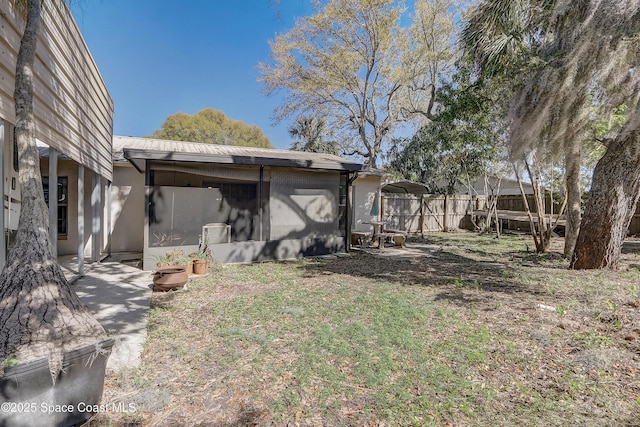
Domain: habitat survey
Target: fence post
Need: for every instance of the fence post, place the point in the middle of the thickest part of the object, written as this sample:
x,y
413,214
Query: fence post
x,y
422,202
445,219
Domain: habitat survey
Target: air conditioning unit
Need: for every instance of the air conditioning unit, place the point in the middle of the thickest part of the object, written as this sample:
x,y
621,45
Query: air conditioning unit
x,y
216,232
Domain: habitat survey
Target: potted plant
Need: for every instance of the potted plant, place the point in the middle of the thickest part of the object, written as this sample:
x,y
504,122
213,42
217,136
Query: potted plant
x,y
173,258
202,258
201,263
191,259
175,253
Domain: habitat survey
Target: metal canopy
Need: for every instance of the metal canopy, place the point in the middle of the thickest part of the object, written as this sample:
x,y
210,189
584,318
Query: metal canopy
x,y
405,187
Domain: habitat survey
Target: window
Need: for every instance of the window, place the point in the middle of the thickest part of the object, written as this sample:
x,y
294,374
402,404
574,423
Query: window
x,y
63,201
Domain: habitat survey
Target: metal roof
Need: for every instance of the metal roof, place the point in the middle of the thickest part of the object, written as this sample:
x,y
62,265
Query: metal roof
x,y
405,187
136,150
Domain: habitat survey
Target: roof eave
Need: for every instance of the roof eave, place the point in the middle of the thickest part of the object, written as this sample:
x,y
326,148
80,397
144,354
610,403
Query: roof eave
x,y
140,154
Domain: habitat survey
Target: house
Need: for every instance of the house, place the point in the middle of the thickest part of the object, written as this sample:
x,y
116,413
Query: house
x,y
246,204
74,122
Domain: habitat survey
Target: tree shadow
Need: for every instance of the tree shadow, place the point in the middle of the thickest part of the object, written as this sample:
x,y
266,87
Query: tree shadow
x,y
426,267
310,240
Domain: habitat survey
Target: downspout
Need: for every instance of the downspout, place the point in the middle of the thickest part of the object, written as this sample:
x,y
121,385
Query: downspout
x,y
148,199
347,210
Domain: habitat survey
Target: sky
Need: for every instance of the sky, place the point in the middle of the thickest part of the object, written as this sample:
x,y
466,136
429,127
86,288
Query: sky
x,y
159,57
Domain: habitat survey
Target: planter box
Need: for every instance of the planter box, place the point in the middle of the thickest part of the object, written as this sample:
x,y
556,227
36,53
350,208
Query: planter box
x,y
28,396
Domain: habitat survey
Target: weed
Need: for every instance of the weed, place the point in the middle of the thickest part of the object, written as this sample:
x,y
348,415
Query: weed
x,y
611,306
590,340
459,283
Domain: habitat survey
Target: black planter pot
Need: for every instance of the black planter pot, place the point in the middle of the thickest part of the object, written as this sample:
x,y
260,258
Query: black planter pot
x,y
28,396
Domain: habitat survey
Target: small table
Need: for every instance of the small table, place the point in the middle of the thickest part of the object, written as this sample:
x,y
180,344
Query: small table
x,y
378,227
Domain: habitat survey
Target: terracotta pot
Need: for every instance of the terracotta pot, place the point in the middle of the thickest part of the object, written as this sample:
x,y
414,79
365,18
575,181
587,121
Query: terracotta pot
x,y
200,266
167,278
71,401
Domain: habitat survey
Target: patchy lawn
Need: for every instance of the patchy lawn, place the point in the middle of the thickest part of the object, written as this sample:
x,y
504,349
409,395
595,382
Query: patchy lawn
x,y
459,329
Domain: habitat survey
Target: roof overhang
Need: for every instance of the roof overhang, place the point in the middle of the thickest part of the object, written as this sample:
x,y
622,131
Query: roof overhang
x,y
404,187
137,158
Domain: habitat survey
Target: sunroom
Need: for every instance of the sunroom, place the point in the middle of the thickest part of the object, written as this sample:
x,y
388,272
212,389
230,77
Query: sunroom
x,y
246,204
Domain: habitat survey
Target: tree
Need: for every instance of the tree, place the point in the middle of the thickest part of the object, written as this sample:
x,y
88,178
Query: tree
x,y
577,55
460,141
542,227
212,127
40,314
505,38
310,133
354,64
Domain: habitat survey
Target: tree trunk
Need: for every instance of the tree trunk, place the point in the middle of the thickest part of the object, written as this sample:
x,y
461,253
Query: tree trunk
x,y
615,190
40,314
574,197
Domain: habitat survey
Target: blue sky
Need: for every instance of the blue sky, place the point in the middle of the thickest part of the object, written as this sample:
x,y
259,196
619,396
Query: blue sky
x,y
158,57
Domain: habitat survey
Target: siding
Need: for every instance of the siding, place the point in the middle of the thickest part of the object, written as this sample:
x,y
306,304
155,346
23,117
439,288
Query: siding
x,y
74,111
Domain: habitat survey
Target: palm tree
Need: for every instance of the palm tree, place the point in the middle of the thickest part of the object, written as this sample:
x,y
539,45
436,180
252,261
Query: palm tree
x,y
562,58
507,38
309,133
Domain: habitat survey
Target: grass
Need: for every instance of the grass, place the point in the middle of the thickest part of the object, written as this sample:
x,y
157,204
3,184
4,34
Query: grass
x,y
449,333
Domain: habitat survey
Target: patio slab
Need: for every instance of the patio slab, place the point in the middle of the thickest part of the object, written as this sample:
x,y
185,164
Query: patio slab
x,y
119,294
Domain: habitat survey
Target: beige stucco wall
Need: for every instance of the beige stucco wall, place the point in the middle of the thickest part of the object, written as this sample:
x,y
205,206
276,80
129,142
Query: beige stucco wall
x,y
364,191
127,209
73,109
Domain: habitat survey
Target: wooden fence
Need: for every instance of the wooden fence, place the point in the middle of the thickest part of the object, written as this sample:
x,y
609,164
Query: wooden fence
x,y
515,203
419,214
427,213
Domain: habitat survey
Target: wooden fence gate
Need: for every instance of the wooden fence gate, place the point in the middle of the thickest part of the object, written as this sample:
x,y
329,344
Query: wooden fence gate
x,y
427,213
